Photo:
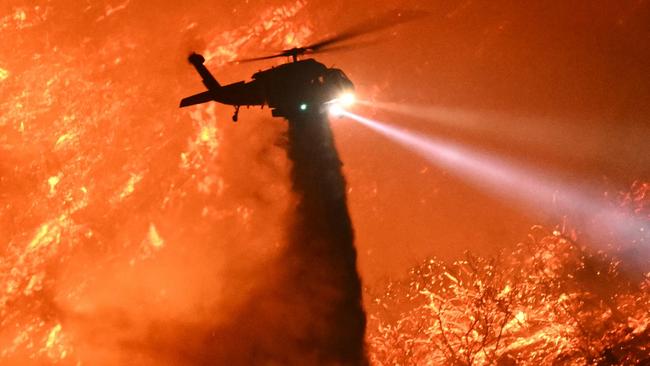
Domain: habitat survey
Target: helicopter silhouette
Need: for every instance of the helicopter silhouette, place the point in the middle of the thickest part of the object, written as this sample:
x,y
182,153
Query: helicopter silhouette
x,y
298,87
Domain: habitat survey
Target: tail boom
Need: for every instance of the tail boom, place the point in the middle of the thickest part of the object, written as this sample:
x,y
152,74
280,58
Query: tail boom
x,y
208,80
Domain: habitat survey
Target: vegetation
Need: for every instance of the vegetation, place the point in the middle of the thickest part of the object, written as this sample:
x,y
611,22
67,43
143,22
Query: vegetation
x,y
551,301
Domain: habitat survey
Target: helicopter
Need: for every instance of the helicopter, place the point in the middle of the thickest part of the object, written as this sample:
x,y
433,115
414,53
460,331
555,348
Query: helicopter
x,y
298,87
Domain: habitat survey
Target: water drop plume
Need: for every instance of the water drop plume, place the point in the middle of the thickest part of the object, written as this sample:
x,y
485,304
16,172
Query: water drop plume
x,y
321,254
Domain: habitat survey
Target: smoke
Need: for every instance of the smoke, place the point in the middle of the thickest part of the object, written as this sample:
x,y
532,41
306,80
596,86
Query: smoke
x,y
134,232
181,295
305,308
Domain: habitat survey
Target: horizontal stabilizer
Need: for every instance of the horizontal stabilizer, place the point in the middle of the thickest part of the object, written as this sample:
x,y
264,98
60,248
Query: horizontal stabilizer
x,y
197,99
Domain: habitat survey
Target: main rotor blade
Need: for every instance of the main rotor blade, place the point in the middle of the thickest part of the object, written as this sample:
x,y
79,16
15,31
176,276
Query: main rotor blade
x,y
259,58
343,47
387,20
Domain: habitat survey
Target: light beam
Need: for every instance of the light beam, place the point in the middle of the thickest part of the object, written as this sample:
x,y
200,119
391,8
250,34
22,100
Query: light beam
x,y
527,186
544,133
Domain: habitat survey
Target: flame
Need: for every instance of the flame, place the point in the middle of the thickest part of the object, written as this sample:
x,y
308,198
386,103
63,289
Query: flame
x,y
116,206
154,238
53,181
542,302
129,187
273,32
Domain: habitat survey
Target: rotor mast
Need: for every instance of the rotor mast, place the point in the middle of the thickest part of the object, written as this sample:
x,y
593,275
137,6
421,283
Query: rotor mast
x,y
295,52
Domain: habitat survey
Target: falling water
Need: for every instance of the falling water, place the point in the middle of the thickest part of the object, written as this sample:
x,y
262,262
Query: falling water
x,y
321,254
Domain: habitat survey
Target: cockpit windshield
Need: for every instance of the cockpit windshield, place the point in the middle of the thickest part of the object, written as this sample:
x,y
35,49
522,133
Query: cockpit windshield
x,y
337,77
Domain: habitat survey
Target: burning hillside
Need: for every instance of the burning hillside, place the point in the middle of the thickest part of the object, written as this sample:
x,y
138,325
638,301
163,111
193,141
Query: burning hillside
x,y
553,300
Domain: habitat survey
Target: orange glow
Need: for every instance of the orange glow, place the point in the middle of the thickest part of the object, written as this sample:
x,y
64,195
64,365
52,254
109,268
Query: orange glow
x,y
135,232
115,215
544,301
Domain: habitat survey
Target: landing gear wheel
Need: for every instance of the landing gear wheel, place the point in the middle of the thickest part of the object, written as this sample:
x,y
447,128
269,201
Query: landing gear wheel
x,y
235,116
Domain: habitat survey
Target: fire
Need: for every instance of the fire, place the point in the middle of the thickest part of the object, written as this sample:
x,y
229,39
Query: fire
x,y
542,302
54,344
48,234
154,238
130,185
118,210
53,181
131,232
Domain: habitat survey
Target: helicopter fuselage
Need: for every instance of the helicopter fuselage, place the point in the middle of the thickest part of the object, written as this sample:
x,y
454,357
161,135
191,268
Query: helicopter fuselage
x,y
303,86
